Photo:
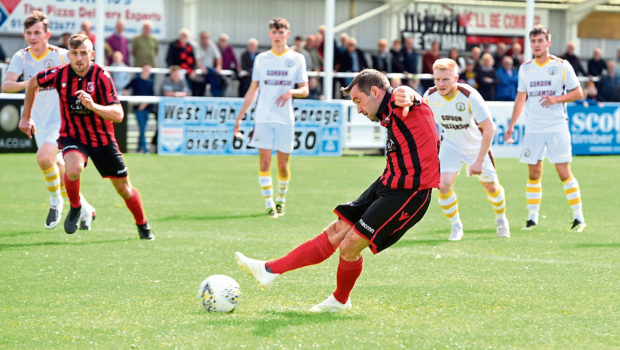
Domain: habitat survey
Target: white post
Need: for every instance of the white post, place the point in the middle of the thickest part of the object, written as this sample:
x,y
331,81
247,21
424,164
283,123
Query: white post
x,y
100,32
529,23
328,50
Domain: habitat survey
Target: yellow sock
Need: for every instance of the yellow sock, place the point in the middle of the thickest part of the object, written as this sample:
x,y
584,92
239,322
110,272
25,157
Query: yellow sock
x,y
266,186
533,196
52,182
498,201
573,195
282,187
450,206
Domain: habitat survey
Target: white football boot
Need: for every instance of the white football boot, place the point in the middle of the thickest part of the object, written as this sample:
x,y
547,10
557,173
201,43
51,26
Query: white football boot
x,y
256,269
54,214
457,232
331,305
87,215
503,228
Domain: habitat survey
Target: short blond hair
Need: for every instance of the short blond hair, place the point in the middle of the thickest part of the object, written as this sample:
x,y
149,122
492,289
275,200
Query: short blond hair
x,y
446,64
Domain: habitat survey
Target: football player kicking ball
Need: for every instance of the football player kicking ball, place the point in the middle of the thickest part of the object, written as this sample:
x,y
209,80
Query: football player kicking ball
x,y
467,134
546,83
89,106
395,202
45,122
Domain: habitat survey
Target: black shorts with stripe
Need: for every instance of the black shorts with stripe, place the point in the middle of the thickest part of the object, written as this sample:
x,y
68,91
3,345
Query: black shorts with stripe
x,y
383,215
107,159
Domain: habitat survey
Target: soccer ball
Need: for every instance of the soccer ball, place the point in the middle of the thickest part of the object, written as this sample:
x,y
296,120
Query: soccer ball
x,y
219,293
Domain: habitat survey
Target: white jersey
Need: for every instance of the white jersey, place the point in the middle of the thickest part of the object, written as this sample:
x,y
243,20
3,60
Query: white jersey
x,y
46,105
458,116
553,78
275,75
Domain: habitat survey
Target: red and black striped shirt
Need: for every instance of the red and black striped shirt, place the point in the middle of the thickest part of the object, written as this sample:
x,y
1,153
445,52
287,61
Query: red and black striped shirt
x,y
77,121
412,146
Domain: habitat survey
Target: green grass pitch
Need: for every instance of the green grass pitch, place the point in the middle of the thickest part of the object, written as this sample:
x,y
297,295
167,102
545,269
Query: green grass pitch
x,y
104,288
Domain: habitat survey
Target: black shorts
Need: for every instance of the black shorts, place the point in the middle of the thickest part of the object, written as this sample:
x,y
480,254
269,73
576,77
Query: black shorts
x,y
383,215
107,159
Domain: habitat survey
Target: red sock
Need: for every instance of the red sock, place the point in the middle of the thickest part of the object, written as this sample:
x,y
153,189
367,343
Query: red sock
x,y
73,191
310,252
134,203
348,272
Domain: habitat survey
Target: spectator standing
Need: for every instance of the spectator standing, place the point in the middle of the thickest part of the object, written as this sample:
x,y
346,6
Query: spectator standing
x,y
87,29
574,61
507,80
517,55
209,60
229,59
118,42
591,96
247,63
609,84
486,78
454,55
469,75
500,52
142,85
410,59
475,54
397,57
382,61
121,79
181,53
354,59
311,50
618,62
429,57
596,65
145,47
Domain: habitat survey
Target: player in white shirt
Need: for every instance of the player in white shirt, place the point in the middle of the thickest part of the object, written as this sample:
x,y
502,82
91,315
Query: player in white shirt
x,y
546,83
45,122
467,133
278,75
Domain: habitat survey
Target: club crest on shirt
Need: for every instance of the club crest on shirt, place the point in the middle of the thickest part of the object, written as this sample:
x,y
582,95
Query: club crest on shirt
x,y
48,63
553,70
288,63
90,86
460,106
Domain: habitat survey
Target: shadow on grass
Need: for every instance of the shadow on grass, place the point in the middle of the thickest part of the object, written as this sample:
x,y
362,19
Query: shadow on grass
x,y
597,245
24,233
269,322
209,217
282,319
55,243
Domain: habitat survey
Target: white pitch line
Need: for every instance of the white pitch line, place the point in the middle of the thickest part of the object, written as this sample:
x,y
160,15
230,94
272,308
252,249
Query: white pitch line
x,y
515,259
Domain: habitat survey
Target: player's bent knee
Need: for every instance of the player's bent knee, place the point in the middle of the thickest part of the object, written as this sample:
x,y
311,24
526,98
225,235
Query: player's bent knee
x,y
352,246
337,231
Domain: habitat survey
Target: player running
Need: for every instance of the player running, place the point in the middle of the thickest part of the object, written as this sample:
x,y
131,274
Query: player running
x,y
278,75
89,105
393,204
467,134
45,122
546,84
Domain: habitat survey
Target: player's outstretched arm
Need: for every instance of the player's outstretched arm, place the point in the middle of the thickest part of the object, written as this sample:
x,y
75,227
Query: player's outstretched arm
x,y
26,125
517,109
249,98
11,85
113,112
